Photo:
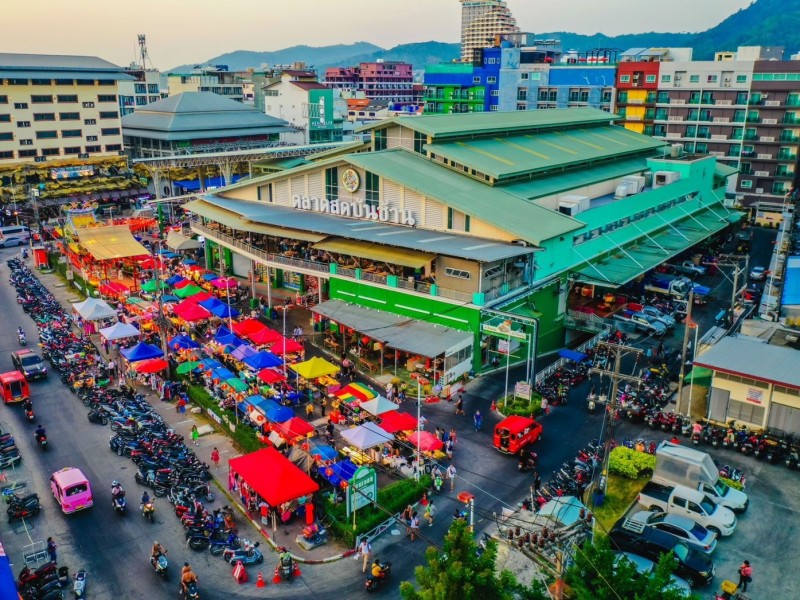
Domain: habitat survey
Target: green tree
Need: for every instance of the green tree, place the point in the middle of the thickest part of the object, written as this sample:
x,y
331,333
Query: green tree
x,y
597,574
458,573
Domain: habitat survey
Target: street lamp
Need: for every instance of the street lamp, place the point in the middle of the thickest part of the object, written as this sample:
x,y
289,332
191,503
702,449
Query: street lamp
x,y
419,419
691,377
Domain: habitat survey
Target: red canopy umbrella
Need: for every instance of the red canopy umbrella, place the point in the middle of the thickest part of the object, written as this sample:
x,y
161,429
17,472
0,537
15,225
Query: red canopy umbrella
x,y
199,297
426,441
181,284
248,326
189,311
150,263
294,428
270,376
195,268
153,365
113,287
264,336
290,347
394,421
273,476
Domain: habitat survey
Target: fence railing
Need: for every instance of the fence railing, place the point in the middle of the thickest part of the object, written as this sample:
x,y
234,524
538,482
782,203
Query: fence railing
x,y
587,345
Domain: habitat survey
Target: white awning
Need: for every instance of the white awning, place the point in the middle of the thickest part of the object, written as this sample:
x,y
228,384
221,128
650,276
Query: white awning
x,y
177,241
94,309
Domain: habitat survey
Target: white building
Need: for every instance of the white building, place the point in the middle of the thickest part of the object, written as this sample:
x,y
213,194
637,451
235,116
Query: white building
x,y
148,86
481,22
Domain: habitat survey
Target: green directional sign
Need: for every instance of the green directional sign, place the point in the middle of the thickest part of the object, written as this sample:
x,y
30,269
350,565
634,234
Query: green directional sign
x,y
362,489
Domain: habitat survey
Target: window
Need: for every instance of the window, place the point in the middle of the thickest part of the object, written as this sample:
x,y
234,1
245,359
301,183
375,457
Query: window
x,y
491,80
458,273
666,78
379,138
21,105
51,151
746,184
495,93
90,121
372,189
711,79
524,76
44,116
3,99
476,80
91,138
271,93
26,142
420,139
107,98
152,88
7,154
67,97
68,133
70,82
624,78
332,183
5,118
6,136
69,116
139,88
113,147
90,149
41,99
88,105
46,135
650,79
493,108
494,271
741,79
457,220
17,82
694,78
110,131
23,123
28,153
109,114
72,150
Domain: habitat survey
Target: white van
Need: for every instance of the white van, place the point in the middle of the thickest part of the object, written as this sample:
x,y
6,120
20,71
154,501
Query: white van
x,y
14,235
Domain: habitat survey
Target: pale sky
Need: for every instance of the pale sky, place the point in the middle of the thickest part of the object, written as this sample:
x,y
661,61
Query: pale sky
x,y
186,31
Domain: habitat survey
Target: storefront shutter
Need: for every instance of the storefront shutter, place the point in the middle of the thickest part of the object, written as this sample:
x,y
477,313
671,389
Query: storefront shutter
x,y
718,404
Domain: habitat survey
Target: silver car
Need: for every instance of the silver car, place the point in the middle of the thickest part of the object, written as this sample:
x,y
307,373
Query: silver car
x,y
667,320
645,566
682,528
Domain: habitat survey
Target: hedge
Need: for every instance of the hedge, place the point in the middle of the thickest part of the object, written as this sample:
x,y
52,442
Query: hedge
x,y
244,435
520,406
736,485
630,463
393,498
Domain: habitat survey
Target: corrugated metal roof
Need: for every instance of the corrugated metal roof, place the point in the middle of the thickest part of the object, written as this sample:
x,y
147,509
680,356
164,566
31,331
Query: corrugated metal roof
x,y
54,62
53,74
519,217
723,170
309,85
486,123
195,134
575,178
448,244
791,282
512,156
755,359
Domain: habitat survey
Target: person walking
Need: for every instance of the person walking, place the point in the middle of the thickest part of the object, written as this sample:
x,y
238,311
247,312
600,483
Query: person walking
x,y
408,513
451,475
310,410
195,435
322,404
365,550
537,482
215,457
460,406
430,510
414,526
745,575
478,419
448,448
51,550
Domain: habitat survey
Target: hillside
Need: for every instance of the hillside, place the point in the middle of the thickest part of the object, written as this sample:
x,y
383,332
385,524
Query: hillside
x,y
763,23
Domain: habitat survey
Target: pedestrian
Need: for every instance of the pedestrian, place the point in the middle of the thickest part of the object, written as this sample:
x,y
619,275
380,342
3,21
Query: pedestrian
x,y
460,406
649,354
545,407
745,575
51,550
478,419
537,482
439,433
430,510
660,348
407,514
322,404
195,435
414,526
365,550
422,422
310,409
453,435
448,448
451,475
215,457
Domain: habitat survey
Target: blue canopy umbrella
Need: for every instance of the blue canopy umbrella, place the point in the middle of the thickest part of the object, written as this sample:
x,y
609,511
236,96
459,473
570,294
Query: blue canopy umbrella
x,y
275,412
210,276
262,360
572,355
8,587
141,351
211,303
340,471
210,363
175,279
244,351
189,262
222,373
219,308
170,298
182,342
323,451
226,338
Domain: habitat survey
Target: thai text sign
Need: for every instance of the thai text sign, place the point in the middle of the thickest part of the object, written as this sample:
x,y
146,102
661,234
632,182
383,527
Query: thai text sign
x,y
362,489
355,209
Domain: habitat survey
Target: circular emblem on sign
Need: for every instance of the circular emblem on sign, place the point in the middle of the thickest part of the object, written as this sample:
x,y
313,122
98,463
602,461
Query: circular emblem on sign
x,y
351,180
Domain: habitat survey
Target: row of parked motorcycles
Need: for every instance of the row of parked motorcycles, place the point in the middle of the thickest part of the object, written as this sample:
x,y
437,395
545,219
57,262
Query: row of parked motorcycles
x,y
572,478
775,449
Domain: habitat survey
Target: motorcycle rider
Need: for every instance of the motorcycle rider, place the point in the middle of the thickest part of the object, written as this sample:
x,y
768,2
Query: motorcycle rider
x,y
145,499
187,576
116,492
376,572
20,332
40,433
27,405
285,557
157,551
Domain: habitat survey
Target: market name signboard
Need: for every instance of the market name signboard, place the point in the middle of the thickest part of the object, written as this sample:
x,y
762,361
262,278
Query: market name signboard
x,y
357,210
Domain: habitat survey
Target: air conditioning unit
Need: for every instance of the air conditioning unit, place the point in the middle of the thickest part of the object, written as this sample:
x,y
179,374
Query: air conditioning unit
x,y
678,77
759,190
630,185
573,205
727,79
662,178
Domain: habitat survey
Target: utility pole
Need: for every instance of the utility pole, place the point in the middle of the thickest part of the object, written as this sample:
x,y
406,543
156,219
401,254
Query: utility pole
x,y
734,261
616,376
687,322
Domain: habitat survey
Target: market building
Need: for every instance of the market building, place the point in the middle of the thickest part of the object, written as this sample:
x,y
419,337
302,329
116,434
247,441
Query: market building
x,y
497,235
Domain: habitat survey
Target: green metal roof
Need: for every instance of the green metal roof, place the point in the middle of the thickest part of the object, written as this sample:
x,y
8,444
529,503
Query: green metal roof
x,y
504,157
487,123
575,178
722,170
492,205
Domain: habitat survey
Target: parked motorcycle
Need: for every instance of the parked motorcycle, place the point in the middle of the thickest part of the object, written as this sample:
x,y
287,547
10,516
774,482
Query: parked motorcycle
x,y
95,416
191,592
79,583
248,555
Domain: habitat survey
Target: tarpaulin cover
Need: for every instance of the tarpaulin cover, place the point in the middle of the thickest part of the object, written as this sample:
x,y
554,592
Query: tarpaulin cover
x,y
290,347
236,384
94,309
119,331
323,451
175,279
199,297
225,337
141,351
210,363
177,241
182,342
244,351
273,476
248,326
187,290
270,376
572,355
395,421
359,391
378,406
425,441
182,282
313,368
264,336
293,428
8,588
224,284
209,276
222,373
338,472
275,412
189,311
366,436
108,243
262,360
189,261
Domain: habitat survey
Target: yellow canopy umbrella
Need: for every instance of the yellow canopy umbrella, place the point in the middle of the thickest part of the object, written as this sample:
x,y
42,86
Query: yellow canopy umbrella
x,y
314,367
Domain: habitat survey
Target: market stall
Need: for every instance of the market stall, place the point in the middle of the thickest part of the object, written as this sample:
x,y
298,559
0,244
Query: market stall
x,y
141,351
94,309
362,440
314,368
394,421
119,331
378,406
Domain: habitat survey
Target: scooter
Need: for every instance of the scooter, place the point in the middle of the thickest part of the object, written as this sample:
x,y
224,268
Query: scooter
x,y
29,415
23,511
95,416
217,547
248,555
41,440
160,565
22,340
149,511
287,566
34,578
119,503
79,583
373,583
191,592
313,536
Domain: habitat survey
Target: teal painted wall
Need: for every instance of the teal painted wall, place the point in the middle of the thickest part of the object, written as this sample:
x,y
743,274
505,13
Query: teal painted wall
x,y
551,324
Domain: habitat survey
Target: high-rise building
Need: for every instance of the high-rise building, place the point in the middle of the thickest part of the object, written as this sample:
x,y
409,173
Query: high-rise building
x,y
481,22
216,79
390,81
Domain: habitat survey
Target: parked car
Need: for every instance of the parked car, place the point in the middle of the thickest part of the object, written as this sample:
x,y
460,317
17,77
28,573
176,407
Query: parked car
x,y
645,566
681,528
667,320
687,267
693,566
29,364
758,273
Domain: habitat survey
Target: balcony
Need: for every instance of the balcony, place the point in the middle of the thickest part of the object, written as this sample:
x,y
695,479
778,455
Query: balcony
x,y
786,156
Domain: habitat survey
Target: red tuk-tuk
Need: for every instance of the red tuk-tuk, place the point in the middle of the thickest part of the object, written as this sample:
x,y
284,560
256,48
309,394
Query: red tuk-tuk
x,y
14,387
514,433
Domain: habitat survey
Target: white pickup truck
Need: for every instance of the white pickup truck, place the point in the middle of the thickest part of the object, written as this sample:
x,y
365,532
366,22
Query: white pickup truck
x,y
684,501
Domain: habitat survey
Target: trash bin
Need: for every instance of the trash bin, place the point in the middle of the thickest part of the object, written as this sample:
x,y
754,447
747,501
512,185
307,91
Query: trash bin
x,y
598,498
253,303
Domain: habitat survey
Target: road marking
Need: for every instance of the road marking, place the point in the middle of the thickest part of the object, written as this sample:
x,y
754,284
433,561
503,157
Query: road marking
x,y
182,422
